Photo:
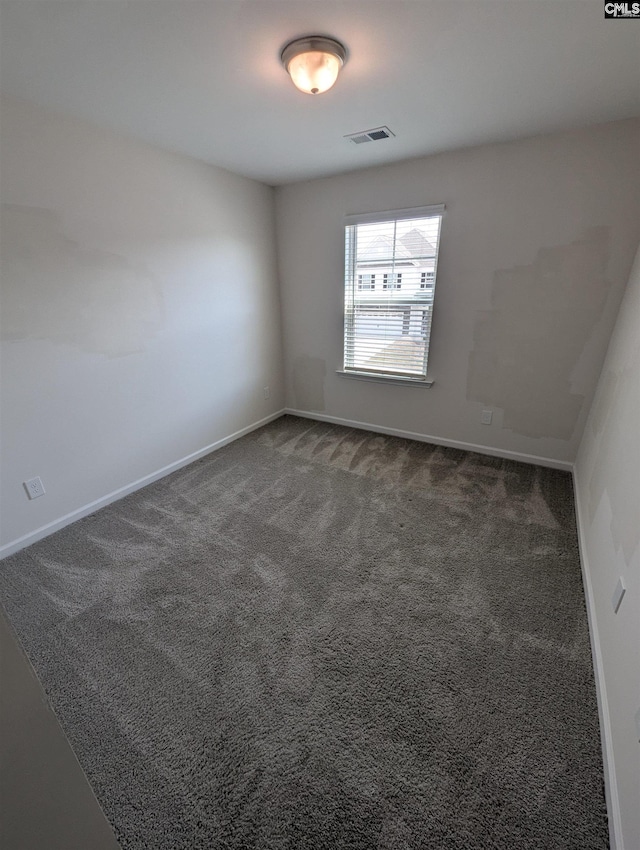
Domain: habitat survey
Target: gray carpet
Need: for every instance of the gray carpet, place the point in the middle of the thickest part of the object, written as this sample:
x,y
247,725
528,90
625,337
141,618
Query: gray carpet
x,y
324,638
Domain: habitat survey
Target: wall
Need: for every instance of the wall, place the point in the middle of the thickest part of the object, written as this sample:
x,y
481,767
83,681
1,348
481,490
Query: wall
x,y
537,243
607,478
140,311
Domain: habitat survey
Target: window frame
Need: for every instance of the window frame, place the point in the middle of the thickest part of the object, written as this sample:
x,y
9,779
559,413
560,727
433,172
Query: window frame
x,y
370,285
350,283
427,280
393,284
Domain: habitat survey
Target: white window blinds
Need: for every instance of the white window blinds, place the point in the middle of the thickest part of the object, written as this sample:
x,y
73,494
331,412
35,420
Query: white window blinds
x,y
390,275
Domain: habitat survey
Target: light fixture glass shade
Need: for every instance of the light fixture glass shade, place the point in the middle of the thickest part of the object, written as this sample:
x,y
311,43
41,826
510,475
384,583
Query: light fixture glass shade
x,y
314,72
313,63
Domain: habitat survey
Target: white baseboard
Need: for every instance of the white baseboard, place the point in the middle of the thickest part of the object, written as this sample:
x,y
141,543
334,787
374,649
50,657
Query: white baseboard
x,y
51,527
616,839
103,501
438,441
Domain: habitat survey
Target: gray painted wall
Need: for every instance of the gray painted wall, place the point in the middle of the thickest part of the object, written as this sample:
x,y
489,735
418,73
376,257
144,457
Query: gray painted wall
x,y
607,478
537,243
140,311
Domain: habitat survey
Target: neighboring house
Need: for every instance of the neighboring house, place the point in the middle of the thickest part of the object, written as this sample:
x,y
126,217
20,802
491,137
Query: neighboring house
x,y
400,268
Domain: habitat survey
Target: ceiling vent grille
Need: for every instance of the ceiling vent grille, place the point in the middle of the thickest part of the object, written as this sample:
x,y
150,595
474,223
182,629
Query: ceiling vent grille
x,y
374,135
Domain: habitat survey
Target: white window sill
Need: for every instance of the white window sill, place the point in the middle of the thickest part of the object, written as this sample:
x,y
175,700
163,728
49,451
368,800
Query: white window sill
x,y
384,379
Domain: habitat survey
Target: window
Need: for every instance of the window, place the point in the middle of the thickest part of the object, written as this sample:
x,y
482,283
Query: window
x,y
392,280
386,332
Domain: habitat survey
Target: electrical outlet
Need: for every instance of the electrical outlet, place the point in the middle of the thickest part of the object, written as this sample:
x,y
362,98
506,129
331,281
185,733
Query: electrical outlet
x,y
34,488
486,417
267,392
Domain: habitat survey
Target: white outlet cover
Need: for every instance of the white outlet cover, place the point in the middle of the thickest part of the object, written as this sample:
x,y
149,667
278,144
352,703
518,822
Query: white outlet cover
x,y
34,488
618,595
487,416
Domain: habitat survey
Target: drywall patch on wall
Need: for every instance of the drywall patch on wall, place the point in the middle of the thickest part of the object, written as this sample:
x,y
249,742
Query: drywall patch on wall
x,y
308,383
110,306
527,346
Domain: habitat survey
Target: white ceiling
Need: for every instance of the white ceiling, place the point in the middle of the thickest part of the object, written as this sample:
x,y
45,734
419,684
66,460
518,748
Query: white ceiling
x,y
203,77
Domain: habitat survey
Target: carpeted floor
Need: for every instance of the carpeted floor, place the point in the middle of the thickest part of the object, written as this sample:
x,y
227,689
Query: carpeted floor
x,y
318,637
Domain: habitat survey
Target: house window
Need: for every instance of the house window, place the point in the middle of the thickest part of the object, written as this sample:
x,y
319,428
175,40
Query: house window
x,y
392,280
387,331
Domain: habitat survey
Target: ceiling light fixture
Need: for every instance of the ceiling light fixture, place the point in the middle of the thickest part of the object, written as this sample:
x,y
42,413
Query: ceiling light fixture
x,y
313,62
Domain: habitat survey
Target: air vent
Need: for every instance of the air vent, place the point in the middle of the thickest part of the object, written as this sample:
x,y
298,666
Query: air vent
x,y
370,135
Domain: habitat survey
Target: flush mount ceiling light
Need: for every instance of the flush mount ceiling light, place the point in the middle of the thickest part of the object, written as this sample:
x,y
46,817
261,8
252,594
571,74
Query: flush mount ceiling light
x,y
313,62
